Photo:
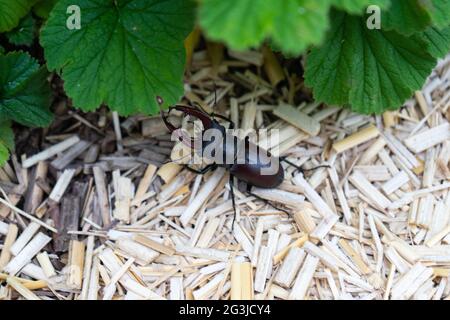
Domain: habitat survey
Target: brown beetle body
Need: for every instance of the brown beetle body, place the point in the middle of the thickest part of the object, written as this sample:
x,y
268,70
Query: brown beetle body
x,y
248,161
251,171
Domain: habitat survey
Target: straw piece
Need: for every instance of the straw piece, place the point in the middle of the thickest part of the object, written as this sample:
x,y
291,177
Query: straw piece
x,y
304,220
50,152
304,278
313,196
142,253
372,152
114,265
280,196
395,183
168,171
202,195
70,155
272,67
5,255
21,289
35,193
124,194
102,195
111,287
75,265
429,138
298,119
351,252
154,245
205,253
3,228
280,255
290,266
366,188
145,182
46,264
355,139
24,238
27,253
61,185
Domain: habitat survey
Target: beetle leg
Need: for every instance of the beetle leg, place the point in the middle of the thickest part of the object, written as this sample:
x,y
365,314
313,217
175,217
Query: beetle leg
x,y
206,169
284,159
233,201
318,167
268,202
301,169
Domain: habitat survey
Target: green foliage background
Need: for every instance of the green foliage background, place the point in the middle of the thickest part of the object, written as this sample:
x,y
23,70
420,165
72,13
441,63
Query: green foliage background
x,y
130,51
368,70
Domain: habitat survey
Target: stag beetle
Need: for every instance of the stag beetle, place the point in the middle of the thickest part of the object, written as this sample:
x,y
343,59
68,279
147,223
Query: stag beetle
x,y
254,159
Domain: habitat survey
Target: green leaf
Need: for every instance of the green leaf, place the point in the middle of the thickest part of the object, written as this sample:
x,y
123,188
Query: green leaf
x,y
240,23
406,17
6,140
438,41
2,50
299,24
43,7
4,154
23,34
291,25
6,134
126,53
11,11
411,16
358,6
24,90
370,70
439,10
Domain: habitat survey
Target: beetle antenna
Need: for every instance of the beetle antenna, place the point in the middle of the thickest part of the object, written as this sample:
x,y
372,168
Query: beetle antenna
x,y
290,163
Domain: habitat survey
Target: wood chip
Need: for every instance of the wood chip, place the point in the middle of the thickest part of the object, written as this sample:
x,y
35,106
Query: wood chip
x,y
27,253
21,289
11,236
304,278
355,139
62,185
366,188
298,119
50,152
429,138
